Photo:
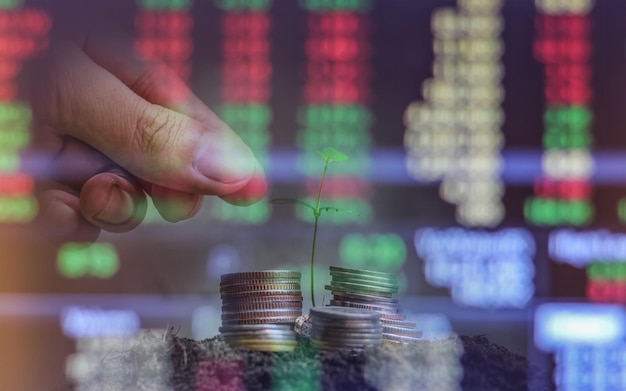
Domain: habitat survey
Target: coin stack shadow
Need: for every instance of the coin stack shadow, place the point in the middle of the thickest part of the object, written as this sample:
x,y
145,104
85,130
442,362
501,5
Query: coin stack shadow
x,y
260,308
336,328
372,290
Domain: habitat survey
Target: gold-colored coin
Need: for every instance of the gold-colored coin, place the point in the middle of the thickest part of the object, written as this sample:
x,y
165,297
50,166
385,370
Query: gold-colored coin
x,y
266,346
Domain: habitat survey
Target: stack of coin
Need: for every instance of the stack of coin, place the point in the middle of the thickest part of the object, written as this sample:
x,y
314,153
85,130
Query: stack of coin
x,y
372,290
335,328
259,309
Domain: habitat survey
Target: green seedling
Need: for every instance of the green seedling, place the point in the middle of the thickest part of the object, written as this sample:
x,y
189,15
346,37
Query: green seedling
x,y
330,155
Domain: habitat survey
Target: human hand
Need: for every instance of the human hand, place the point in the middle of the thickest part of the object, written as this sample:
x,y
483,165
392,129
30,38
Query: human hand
x,y
111,128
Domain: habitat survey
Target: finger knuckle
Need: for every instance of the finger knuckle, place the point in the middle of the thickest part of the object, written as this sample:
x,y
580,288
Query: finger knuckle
x,y
157,129
146,84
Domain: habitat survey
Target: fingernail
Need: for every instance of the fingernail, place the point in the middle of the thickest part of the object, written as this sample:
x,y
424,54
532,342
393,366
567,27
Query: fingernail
x,y
119,208
177,206
253,191
226,162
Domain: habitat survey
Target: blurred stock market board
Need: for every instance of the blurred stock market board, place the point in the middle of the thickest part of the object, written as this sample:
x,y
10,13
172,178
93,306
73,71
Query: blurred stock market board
x,y
487,167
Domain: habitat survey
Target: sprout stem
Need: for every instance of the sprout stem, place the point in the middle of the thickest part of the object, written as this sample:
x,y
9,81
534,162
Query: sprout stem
x,y
316,214
313,262
319,194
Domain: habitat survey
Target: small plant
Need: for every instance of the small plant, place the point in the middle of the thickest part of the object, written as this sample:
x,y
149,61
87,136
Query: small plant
x,y
330,155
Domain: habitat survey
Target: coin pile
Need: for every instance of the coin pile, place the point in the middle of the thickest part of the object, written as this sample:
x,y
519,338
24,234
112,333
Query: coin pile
x,y
372,290
259,309
345,328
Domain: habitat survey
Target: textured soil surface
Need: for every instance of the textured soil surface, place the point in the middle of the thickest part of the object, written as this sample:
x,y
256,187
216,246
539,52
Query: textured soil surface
x,y
156,362
430,365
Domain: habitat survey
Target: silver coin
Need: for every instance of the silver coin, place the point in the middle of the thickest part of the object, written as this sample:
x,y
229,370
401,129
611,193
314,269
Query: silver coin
x,y
262,281
262,274
374,277
230,301
400,338
362,272
381,284
325,346
245,339
345,322
399,317
264,298
351,276
348,342
256,338
263,343
255,327
359,290
260,336
353,296
262,306
343,313
348,333
346,345
262,314
261,292
357,287
233,289
260,333
362,281
277,319
401,331
330,328
352,341
398,323
352,334
363,285
374,307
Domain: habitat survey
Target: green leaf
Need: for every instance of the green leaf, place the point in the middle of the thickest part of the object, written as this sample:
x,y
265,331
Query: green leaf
x,y
292,201
334,208
333,155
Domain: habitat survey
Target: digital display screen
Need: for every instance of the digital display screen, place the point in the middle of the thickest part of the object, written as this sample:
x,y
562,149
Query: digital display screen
x,y
486,170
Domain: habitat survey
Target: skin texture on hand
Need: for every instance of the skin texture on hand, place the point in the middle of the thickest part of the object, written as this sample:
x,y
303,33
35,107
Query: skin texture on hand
x,y
111,128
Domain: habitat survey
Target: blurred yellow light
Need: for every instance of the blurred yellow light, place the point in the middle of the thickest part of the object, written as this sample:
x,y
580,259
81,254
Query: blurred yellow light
x,y
567,164
564,6
483,214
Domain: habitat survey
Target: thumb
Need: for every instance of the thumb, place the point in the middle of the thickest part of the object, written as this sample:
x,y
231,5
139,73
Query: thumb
x,y
81,99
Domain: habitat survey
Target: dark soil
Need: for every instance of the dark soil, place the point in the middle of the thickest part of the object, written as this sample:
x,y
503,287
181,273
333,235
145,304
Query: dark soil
x,y
429,365
164,362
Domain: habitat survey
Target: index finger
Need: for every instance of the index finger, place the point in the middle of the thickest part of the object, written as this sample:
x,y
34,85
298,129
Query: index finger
x,y
161,85
154,143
